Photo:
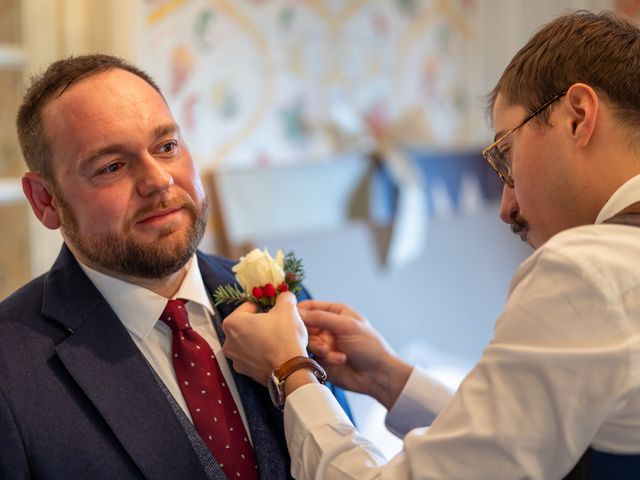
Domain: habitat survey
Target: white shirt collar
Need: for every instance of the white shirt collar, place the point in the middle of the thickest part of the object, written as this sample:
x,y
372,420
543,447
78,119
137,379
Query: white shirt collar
x,y
627,194
139,308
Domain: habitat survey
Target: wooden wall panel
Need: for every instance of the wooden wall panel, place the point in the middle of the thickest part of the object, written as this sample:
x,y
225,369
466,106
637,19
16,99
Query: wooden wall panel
x,y
14,258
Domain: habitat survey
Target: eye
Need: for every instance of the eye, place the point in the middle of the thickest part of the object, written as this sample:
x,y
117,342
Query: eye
x,y
111,168
503,153
169,147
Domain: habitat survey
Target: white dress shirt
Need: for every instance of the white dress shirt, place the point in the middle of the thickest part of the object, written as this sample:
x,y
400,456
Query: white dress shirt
x,y
562,372
139,310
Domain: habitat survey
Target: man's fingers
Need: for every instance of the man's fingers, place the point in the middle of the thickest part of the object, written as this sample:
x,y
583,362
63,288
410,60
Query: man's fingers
x,y
322,350
335,358
318,346
325,320
246,307
320,305
313,330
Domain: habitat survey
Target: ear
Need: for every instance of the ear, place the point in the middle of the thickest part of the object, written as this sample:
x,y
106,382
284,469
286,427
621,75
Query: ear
x,y
40,196
583,105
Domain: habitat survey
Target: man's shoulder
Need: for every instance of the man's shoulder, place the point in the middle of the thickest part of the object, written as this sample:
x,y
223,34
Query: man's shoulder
x,y
605,256
21,315
601,243
26,299
216,262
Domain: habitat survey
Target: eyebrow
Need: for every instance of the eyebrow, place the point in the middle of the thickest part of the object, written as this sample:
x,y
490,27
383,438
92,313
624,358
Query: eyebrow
x,y
159,131
163,130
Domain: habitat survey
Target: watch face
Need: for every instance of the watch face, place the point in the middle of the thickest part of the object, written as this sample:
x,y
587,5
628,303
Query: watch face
x,y
274,391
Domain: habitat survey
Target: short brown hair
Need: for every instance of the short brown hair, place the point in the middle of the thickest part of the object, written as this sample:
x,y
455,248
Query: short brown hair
x,y
52,83
601,50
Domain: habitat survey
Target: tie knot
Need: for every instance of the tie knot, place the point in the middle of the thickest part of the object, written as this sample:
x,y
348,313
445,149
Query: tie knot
x,y
175,315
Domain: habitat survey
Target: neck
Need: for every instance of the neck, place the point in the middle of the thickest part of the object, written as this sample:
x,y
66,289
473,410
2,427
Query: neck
x,y
166,286
608,162
607,184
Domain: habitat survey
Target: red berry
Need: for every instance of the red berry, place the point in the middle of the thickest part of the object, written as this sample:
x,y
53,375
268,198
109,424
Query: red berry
x,y
269,290
257,292
283,287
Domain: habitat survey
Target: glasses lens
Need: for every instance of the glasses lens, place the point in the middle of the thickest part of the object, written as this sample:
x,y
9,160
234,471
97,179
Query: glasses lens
x,y
500,164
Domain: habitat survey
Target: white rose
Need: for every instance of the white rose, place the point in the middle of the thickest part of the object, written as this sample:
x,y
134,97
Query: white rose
x,y
257,268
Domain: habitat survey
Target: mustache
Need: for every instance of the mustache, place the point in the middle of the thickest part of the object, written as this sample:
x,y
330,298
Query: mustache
x,y
518,224
164,203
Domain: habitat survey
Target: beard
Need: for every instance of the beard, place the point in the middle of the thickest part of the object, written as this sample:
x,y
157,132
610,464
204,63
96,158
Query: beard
x,y
123,253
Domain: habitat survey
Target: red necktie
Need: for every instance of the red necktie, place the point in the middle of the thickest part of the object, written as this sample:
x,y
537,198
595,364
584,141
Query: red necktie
x,y
213,410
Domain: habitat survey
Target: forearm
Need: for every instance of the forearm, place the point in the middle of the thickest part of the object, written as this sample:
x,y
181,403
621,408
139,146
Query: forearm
x,y
388,381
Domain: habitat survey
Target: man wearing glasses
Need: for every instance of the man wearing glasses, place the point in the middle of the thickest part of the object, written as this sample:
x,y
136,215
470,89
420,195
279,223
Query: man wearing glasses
x,y
557,390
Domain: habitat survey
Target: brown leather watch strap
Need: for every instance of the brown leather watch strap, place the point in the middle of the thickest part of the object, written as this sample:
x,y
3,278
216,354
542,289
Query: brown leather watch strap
x,y
296,363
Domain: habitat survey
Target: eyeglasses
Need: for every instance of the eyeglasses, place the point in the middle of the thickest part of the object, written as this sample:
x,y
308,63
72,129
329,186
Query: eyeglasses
x,y
498,160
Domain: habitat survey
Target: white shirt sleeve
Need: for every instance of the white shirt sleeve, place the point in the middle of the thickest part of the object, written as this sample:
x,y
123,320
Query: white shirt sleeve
x,y
420,401
336,435
529,409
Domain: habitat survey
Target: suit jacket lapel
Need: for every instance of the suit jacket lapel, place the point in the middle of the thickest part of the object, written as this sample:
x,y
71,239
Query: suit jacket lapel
x,y
103,359
265,421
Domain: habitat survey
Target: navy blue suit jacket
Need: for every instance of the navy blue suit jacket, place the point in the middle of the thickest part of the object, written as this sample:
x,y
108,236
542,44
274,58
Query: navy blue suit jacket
x,y
78,399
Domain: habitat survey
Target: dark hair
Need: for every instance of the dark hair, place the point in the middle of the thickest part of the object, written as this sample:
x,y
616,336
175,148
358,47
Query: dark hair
x,y
601,50
50,84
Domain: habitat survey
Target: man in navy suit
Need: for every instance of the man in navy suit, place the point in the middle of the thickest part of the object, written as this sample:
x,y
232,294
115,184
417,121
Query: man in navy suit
x,y
88,388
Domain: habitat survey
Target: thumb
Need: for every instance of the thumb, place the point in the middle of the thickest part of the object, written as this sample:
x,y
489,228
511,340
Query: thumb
x,y
246,307
286,300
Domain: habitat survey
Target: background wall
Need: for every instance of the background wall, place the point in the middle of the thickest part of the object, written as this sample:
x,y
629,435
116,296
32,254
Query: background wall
x,y
263,83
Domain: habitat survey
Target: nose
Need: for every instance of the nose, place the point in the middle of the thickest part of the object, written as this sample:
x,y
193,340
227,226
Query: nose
x,y
508,205
153,177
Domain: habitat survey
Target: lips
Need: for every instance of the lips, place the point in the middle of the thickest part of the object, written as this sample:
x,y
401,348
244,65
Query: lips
x,y
157,215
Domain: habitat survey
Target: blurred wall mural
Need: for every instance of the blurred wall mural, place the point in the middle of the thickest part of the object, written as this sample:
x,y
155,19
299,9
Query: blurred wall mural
x,y
258,82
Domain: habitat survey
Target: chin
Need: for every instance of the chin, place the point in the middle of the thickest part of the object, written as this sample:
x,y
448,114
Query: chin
x,y
532,241
536,241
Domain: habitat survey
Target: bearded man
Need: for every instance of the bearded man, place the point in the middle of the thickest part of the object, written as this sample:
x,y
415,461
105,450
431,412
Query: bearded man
x,y
111,362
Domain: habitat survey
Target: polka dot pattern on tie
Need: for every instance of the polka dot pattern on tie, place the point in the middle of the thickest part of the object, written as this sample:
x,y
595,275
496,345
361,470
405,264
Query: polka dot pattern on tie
x,y
213,410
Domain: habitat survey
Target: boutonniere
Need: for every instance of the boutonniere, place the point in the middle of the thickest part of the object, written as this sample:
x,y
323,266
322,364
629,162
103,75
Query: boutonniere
x,y
261,279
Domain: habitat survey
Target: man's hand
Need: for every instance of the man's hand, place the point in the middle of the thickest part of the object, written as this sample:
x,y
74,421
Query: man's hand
x,y
355,356
258,343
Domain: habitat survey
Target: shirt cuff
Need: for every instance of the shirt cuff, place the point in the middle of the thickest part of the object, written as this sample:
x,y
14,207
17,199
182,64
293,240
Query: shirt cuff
x,y
312,405
307,409
419,403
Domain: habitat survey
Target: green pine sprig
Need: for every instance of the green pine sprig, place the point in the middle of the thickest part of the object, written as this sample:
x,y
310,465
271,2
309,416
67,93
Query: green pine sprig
x,y
293,272
230,294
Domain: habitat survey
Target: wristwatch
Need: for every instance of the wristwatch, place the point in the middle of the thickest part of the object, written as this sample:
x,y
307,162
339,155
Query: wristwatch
x,y
276,380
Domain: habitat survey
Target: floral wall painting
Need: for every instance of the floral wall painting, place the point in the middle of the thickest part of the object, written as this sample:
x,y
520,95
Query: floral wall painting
x,y
182,64
282,81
